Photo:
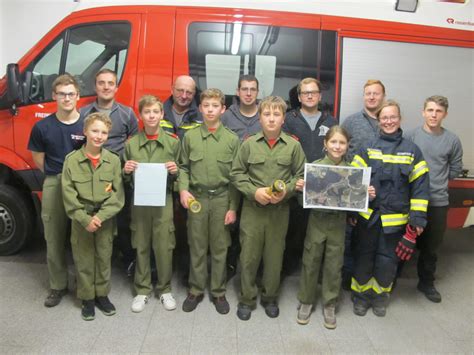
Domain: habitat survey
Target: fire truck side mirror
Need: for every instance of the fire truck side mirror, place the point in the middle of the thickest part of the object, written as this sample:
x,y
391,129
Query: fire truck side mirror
x,y
14,87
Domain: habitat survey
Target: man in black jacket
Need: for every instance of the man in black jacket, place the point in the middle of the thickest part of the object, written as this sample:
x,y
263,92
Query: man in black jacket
x,y
310,126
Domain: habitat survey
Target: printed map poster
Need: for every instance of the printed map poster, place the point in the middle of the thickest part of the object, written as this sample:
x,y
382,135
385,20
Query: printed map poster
x,y
336,187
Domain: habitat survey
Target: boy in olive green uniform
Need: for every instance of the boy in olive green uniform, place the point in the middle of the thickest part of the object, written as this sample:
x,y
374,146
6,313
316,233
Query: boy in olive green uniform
x,y
263,158
93,194
153,227
206,160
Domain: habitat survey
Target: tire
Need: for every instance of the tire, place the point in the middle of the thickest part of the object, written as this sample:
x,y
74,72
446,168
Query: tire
x,y
16,220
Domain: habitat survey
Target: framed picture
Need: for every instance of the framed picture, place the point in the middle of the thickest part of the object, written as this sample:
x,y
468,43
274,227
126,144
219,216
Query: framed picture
x,y
336,187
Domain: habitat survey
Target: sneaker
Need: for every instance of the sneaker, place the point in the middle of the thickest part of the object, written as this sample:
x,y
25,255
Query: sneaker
x,y
54,297
139,302
304,313
221,304
105,306
88,310
271,309
191,302
430,292
168,301
360,307
244,311
329,313
379,310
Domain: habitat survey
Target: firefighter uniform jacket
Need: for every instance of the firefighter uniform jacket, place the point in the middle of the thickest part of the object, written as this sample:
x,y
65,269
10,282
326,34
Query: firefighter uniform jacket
x,y
400,177
191,119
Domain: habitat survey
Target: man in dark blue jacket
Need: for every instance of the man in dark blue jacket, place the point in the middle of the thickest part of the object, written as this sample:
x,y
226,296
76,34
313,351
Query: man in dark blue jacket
x,y
180,110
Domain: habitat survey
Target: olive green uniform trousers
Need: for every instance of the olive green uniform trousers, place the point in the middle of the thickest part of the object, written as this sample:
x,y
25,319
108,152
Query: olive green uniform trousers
x,y
206,231
153,226
56,231
324,245
262,235
92,254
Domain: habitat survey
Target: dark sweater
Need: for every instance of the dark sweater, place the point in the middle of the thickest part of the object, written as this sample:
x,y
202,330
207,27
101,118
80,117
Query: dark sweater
x,y
311,141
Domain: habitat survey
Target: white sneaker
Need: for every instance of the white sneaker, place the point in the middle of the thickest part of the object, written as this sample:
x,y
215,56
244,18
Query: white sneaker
x,y
168,301
139,303
304,313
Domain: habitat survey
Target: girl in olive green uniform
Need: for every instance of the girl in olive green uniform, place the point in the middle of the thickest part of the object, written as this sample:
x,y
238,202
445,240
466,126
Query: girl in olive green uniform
x,y
324,243
93,194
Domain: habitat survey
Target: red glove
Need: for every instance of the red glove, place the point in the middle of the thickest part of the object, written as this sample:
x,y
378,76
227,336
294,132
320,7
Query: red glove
x,y
406,245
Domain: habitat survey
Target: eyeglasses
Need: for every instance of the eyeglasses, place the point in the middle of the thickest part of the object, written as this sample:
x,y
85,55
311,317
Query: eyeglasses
x,y
388,118
252,90
182,91
307,93
63,95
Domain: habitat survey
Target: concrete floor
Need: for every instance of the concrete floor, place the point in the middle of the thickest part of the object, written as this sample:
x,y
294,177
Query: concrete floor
x,y
412,325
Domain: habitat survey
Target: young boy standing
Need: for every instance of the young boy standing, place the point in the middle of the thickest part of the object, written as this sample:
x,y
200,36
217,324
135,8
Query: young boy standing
x,y
206,160
93,194
263,158
153,227
443,152
51,140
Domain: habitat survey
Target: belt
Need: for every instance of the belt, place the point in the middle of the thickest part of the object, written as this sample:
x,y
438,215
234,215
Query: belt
x,y
92,209
270,205
199,191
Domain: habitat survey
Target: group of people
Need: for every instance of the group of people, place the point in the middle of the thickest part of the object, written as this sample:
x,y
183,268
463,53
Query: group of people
x,y
227,162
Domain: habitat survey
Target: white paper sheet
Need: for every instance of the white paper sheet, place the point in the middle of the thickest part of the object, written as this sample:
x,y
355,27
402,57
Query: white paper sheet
x,y
150,185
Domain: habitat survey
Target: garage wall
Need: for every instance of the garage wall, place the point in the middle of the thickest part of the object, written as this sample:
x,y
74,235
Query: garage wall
x,y
24,22
411,73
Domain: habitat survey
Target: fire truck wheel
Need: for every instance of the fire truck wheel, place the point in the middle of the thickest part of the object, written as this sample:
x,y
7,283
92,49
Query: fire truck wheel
x,y
16,220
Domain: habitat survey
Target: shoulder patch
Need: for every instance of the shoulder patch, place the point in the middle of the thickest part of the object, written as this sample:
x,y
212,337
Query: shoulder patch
x,y
295,137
